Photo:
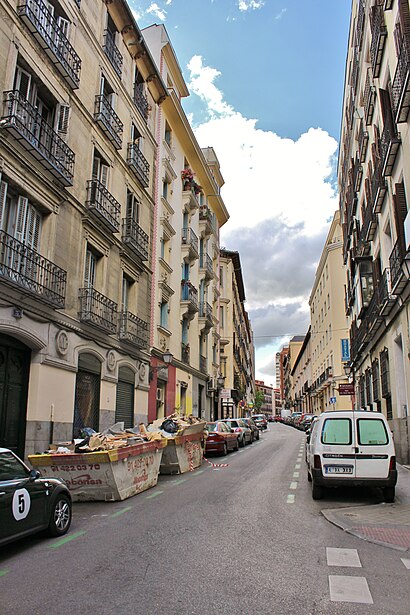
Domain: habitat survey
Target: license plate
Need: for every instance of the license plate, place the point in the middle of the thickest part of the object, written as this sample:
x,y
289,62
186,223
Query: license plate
x,y
339,469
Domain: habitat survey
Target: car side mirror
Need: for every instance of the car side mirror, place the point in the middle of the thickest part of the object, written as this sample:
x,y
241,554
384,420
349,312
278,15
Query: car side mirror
x,y
308,436
34,474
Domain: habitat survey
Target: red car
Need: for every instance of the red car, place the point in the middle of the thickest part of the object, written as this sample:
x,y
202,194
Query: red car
x,y
220,438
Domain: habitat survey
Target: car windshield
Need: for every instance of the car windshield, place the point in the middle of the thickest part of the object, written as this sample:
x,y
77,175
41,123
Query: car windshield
x,y
212,427
11,468
233,423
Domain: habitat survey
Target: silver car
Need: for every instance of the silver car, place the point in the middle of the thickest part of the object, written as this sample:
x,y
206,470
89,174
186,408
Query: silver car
x,y
244,432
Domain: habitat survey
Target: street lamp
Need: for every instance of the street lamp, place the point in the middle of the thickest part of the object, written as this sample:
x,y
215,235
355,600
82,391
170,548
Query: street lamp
x,y
167,360
349,373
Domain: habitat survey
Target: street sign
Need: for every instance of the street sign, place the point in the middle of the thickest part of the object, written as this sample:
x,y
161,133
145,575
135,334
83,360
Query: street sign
x,y
345,350
332,400
225,393
346,389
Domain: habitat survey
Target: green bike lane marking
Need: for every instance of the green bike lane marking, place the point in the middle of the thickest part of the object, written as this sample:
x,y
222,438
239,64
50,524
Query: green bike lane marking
x,y
177,482
120,512
154,495
66,539
4,572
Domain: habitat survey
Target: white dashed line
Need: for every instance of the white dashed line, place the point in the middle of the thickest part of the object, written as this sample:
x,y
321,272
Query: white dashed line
x,y
297,466
349,589
343,557
296,474
293,485
406,562
290,499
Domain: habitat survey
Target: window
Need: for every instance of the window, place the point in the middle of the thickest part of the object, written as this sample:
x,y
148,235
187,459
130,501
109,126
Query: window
x,y
11,468
163,316
375,380
168,134
337,431
100,169
133,207
222,316
90,268
385,373
372,432
368,379
165,188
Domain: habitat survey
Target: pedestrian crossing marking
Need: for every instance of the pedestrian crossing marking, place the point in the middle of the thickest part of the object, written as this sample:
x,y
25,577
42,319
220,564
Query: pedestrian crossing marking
x,y
343,557
293,485
290,499
349,589
406,562
296,474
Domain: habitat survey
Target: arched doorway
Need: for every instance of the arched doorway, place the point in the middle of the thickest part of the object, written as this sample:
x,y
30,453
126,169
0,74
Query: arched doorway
x,y
124,406
87,394
14,374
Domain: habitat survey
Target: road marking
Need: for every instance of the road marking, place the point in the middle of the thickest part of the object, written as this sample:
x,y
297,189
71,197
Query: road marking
x,y
4,572
343,557
216,469
199,472
296,474
297,466
66,539
290,499
121,511
349,589
293,485
153,495
406,562
179,481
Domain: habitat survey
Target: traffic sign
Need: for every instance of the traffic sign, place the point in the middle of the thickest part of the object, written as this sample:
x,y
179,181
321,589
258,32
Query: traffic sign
x,y
332,400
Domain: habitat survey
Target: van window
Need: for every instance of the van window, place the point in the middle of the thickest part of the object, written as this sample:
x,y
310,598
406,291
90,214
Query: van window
x,y
337,431
372,432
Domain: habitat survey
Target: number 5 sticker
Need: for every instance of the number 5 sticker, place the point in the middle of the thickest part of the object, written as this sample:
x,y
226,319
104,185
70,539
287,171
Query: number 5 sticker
x,y
21,504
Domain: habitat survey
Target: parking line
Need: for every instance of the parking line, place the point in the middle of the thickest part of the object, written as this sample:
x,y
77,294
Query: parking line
x,y
293,485
66,539
296,474
179,481
199,472
4,572
297,466
290,499
121,511
153,495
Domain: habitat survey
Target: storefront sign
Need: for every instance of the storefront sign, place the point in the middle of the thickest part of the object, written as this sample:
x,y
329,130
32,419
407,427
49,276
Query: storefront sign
x,y
345,350
346,389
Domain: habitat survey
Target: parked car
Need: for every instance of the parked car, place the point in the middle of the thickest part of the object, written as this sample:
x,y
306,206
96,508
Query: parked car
x,y
255,431
220,438
294,417
351,447
260,421
243,432
29,502
305,421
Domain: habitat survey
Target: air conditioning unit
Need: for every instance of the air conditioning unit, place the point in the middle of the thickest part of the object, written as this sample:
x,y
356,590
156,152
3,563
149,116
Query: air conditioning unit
x,y
159,394
211,385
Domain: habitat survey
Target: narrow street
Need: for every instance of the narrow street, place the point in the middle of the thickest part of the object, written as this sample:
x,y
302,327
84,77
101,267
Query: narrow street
x,y
246,538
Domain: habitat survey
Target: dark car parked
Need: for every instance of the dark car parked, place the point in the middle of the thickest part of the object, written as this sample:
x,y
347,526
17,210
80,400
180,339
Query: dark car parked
x,y
260,421
30,503
255,431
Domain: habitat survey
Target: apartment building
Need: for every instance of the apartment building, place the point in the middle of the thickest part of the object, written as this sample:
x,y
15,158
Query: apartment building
x,y
77,163
289,360
329,344
189,211
281,358
302,376
374,185
268,399
237,358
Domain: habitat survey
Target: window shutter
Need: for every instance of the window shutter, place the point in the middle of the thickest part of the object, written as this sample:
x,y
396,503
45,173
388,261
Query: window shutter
x,y
96,167
64,26
3,195
400,210
21,219
104,172
23,83
404,12
89,270
33,228
62,119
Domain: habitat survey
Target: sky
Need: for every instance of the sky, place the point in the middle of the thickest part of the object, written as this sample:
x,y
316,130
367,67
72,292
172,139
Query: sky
x,y
266,91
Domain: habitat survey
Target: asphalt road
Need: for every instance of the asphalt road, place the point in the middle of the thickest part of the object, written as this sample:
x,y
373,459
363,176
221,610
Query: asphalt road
x,y
245,539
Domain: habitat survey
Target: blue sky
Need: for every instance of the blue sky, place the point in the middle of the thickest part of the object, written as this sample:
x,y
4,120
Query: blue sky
x,y
266,82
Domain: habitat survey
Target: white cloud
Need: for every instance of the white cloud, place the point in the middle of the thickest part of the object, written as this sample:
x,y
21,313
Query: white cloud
x,y
154,9
247,5
281,14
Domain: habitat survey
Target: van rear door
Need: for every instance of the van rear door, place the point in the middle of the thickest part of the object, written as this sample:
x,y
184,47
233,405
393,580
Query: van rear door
x,y
338,447
373,448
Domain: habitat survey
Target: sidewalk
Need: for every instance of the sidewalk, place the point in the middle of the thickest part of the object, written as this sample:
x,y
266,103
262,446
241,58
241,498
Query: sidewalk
x,y
384,524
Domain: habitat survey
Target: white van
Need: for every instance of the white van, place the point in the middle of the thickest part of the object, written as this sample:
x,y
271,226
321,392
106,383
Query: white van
x,y
351,447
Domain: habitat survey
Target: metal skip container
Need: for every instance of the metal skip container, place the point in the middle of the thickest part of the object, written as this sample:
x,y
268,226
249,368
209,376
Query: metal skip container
x,y
183,453
105,475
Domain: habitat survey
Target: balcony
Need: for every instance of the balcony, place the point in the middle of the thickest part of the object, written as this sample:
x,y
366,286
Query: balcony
x,y
45,29
206,266
206,315
135,238
189,200
98,310
189,243
205,220
360,23
108,120
27,271
378,189
185,353
133,330
386,297
396,259
102,206
203,364
401,83
138,164
379,35
189,298
369,227
351,206
357,174
369,98
112,52
140,100
23,122
363,140
389,146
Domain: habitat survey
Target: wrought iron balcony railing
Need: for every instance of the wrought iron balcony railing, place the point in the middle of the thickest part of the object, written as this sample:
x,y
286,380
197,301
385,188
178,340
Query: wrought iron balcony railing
x,y
112,52
133,329
98,310
140,100
378,188
24,123
135,238
190,294
398,278
138,164
205,263
379,35
44,27
386,297
108,120
205,311
22,267
190,239
401,83
389,145
363,140
103,205
369,98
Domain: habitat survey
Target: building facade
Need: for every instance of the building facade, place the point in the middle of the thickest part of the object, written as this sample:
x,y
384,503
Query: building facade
x,y
268,400
302,377
374,186
77,164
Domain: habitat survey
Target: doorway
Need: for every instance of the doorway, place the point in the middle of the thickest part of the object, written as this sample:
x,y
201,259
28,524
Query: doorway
x,y
87,394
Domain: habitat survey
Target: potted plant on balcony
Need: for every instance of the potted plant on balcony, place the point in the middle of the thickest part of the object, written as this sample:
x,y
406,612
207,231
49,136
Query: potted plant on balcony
x,y
187,176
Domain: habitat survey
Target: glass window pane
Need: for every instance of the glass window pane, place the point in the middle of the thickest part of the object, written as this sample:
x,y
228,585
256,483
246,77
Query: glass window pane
x,y
337,431
11,468
372,432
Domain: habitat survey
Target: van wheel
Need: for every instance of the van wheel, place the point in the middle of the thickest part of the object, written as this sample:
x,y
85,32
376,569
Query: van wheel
x,y
389,494
309,476
317,491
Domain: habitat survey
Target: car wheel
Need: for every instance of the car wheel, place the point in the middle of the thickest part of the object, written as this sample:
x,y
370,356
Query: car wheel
x,y
317,491
242,442
60,518
257,435
225,449
389,494
309,476
236,447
